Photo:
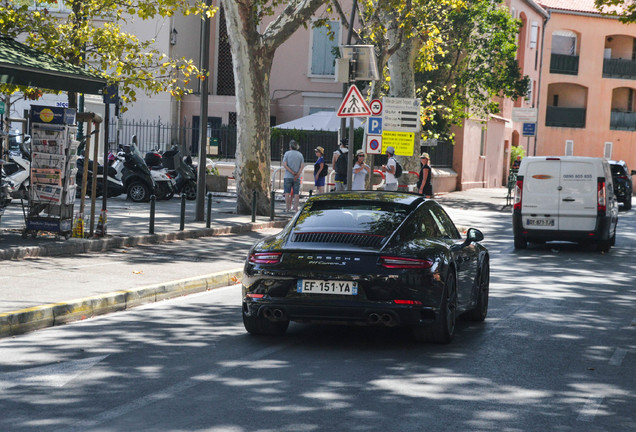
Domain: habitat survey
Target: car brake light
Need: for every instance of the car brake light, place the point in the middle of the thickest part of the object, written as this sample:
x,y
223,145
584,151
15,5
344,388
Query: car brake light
x,y
266,257
601,205
404,263
407,302
255,296
518,195
622,177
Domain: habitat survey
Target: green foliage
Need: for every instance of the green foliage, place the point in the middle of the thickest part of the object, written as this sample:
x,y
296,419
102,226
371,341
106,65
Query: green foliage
x,y
89,33
479,64
516,151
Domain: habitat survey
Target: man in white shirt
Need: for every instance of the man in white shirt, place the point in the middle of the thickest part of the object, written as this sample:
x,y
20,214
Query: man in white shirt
x,y
391,183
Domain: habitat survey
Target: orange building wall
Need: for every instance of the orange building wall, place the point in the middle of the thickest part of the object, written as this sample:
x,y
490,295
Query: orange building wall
x,y
598,92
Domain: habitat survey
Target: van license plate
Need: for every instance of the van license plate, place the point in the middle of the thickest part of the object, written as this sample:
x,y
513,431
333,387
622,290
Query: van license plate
x,y
540,222
327,287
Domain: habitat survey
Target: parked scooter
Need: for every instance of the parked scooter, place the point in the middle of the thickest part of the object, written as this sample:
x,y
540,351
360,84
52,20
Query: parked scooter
x,y
115,185
5,197
18,171
136,176
181,169
164,183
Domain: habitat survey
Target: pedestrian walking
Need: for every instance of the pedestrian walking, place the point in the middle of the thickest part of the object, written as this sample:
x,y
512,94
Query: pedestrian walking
x,y
320,170
339,164
391,183
360,171
293,162
424,185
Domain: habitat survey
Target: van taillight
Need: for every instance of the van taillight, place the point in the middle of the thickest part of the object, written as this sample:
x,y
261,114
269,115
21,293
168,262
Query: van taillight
x,y
601,204
518,193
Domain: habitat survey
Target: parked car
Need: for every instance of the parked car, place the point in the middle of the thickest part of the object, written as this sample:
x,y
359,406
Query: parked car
x,y
367,258
622,178
566,198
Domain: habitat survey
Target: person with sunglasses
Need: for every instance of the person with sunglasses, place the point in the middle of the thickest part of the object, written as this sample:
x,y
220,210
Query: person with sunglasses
x,y
360,171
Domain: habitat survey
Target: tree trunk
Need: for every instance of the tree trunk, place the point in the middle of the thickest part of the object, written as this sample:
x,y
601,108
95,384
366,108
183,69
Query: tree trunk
x,y
252,55
401,68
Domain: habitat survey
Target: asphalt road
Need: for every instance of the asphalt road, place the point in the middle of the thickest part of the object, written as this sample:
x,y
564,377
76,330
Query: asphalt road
x,y
556,353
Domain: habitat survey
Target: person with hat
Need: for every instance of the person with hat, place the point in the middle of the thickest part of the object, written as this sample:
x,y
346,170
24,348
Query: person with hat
x,y
360,171
424,186
293,162
391,182
320,170
341,168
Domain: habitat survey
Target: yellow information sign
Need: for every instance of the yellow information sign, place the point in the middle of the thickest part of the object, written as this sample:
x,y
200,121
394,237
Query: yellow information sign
x,y
402,142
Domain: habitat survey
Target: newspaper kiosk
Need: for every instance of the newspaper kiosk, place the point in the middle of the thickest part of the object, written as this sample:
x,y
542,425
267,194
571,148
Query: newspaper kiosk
x,y
53,170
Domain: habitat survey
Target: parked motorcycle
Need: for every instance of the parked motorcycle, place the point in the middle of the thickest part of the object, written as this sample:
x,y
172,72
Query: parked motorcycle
x,y
115,185
136,175
164,182
181,169
5,197
18,171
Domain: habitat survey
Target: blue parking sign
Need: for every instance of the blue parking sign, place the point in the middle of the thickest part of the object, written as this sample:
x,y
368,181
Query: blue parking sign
x,y
374,126
529,129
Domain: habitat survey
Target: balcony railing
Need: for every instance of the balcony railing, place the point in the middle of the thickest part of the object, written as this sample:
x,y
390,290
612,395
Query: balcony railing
x,y
565,117
619,68
564,64
623,121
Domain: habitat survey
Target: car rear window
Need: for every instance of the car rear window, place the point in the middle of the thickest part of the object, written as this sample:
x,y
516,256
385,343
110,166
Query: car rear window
x,y
617,170
380,219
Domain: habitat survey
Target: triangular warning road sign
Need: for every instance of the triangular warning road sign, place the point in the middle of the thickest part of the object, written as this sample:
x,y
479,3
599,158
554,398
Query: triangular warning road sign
x,y
354,104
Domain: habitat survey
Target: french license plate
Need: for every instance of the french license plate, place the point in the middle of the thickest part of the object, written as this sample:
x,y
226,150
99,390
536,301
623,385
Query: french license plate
x,y
327,287
540,222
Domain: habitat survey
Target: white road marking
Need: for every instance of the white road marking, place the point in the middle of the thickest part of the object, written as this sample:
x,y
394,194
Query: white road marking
x,y
171,391
55,375
617,357
588,412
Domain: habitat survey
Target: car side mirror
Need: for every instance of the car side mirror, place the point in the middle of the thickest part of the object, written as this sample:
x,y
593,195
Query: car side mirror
x,y
474,235
633,172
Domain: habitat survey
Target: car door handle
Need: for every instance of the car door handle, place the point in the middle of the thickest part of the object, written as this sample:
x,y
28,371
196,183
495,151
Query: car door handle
x,y
568,199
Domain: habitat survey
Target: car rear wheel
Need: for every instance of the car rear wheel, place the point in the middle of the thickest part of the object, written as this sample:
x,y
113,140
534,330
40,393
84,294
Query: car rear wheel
x,y
628,203
443,329
483,286
520,242
257,324
604,245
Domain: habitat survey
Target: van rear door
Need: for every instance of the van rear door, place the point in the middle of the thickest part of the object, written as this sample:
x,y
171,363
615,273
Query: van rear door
x,y
540,207
578,196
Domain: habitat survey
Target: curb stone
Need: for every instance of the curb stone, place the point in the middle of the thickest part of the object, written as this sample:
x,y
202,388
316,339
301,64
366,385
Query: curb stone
x,y
78,246
39,317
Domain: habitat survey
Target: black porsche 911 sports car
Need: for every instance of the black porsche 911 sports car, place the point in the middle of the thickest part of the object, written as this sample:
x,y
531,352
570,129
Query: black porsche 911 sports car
x,y
370,258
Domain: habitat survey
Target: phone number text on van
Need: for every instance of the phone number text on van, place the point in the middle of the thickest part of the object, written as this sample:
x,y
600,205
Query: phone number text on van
x,y
577,177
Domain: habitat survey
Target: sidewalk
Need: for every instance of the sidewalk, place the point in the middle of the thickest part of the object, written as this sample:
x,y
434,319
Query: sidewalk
x,y
42,291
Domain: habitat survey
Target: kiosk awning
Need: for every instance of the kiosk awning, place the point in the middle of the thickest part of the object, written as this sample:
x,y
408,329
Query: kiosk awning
x,y
22,65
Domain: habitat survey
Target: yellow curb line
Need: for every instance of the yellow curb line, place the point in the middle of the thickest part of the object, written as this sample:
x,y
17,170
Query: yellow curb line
x,y
49,315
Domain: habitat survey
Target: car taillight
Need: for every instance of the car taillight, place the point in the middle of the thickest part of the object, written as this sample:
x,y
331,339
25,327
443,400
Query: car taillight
x,y
265,257
518,195
407,302
622,177
404,263
601,204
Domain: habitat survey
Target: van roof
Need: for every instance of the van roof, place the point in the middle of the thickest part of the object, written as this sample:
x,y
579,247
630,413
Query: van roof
x,y
565,158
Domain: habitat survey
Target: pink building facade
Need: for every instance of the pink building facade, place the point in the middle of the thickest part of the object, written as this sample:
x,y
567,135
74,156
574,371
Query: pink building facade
x,y
588,84
482,151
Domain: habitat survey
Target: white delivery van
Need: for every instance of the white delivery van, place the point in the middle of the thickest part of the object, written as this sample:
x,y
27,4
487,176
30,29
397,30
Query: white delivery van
x,y
566,198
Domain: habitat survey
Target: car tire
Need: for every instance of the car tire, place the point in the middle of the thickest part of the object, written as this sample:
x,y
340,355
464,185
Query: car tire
x,y
138,192
443,329
627,205
259,325
604,245
520,243
190,190
480,310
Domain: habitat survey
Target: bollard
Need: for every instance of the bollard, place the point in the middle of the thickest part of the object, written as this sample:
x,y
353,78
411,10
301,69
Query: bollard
x,y
152,214
183,208
253,206
272,204
209,218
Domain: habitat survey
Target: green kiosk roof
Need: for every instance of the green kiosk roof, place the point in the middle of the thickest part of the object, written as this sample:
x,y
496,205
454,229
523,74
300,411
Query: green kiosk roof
x,y
26,66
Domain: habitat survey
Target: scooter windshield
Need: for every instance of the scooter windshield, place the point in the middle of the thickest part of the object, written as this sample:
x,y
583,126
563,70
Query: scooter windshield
x,y
138,159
